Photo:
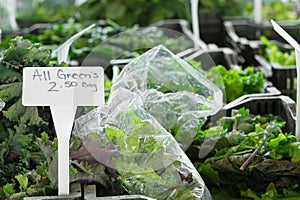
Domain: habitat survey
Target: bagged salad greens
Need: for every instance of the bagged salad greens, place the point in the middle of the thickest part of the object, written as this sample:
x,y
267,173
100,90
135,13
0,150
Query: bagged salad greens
x,y
155,93
174,93
143,156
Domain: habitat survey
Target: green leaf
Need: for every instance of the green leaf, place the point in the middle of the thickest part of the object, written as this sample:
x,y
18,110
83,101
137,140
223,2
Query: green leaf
x,y
21,141
208,174
8,189
271,192
11,91
250,194
23,181
294,151
31,117
114,133
274,143
15,111
8,75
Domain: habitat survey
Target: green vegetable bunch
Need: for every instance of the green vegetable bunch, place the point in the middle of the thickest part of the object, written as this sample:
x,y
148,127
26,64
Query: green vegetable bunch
x,y
27,141
131,12
251,155
142,157
58,33
21,53
275,9
237,82
275,55
21,159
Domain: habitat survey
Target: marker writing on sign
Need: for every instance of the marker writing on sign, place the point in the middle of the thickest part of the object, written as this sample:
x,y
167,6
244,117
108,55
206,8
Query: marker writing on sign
x,y
62,80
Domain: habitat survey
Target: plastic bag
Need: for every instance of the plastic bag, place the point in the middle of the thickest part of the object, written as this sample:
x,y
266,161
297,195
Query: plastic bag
x,y
139,152
175,94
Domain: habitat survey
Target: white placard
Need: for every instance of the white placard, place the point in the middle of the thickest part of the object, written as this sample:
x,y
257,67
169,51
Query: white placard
x,y
195,19
258,11
48,86
63,89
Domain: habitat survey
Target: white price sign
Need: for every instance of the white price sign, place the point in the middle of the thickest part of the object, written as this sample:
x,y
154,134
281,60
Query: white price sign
x,y
63,89
80,86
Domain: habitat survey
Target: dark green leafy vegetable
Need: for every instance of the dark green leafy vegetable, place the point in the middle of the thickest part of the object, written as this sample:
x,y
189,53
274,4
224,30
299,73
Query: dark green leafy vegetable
x,y
275,9
21,53
21,158
135,158
275,55
273,169
237,82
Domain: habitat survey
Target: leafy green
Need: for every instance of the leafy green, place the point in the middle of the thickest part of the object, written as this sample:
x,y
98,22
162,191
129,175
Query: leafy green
x,y
272,168
129,13
21,159
275,55
275,9
134,150
237,82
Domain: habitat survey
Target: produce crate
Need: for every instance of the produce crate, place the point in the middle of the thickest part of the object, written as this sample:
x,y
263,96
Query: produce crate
x,y
265,170
223,56
182,26
283,77
227,58
243,37
281,105
212,29
179,25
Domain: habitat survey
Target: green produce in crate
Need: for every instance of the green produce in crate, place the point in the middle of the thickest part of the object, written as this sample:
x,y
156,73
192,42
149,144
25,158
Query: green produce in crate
x,y
21,159
138,153
235,82
274,55
26,151
111,40
275,9
228,168
238,82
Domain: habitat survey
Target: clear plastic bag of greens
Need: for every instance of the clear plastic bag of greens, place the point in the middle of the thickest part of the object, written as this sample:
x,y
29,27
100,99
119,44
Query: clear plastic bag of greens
x,y
173,92
137,150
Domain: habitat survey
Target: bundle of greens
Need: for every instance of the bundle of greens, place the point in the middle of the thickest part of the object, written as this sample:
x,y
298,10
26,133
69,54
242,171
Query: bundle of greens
x,y
28,142
179,97
21,53
58,33
129,13
236,82
23,170
135,150
273,54
275,9
251,156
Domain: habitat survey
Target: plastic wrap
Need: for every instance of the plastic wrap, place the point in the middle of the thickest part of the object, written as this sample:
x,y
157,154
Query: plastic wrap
x,y
143,156
173,92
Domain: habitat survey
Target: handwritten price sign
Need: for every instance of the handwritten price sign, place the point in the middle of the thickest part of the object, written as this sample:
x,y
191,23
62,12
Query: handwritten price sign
x,y
63,89
55,85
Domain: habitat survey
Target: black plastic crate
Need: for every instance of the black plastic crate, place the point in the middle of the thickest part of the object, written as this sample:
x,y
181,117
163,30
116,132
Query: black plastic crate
x,y
179,25
228,58
283,77
212,29
282,106
212,57
243,37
